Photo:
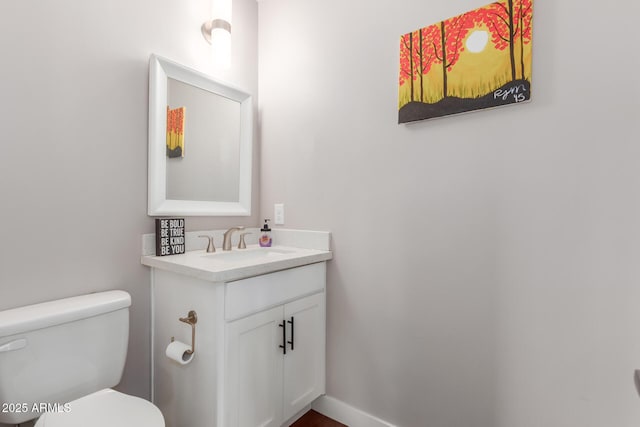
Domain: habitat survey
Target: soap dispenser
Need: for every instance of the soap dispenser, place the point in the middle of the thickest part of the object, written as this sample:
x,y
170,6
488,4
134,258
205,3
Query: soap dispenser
x,y
265,235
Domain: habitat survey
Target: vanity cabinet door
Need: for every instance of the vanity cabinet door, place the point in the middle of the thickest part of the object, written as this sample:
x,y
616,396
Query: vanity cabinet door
x,y
304,362
254,370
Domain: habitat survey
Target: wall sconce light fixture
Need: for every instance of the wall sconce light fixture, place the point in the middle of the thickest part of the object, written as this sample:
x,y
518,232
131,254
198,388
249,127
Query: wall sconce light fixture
x,y
218,32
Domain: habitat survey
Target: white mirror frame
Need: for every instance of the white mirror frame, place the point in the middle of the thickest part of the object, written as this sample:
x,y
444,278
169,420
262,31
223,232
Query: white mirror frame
x,y
160,70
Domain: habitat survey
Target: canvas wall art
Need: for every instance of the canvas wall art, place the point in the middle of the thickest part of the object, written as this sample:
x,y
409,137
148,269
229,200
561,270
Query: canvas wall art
x,y
479,59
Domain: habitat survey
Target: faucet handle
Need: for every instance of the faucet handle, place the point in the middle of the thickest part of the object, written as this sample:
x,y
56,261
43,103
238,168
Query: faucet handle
x,y
210,246
241,243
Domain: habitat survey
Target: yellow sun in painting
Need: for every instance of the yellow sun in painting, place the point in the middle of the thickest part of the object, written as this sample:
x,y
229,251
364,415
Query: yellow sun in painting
x,y
480,68
477,41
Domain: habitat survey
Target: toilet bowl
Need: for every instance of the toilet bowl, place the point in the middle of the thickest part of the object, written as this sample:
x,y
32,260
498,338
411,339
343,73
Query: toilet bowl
x,y
104,408
61,358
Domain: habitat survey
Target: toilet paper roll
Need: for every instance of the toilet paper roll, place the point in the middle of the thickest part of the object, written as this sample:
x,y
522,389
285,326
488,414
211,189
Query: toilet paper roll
x,y
178,351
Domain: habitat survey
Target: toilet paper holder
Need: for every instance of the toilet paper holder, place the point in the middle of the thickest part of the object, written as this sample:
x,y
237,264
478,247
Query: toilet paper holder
x,y
191,319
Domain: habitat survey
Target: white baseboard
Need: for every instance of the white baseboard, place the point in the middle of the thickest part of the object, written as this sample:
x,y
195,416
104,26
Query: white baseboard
x,y
346,414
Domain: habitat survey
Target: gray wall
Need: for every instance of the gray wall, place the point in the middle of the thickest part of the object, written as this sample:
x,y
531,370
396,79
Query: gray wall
x,y
486,268
73,113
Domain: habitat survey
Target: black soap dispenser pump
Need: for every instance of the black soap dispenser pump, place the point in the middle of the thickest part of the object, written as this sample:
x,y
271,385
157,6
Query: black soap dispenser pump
x,y
265,235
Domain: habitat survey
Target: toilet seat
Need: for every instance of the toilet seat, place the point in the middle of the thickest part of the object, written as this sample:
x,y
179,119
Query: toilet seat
x,y
105,408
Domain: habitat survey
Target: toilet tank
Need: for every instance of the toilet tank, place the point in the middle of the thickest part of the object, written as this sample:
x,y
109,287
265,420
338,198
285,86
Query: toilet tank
x,y
58,351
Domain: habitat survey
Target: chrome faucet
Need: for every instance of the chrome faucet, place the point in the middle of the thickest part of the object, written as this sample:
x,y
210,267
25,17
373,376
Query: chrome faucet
x,y
226,241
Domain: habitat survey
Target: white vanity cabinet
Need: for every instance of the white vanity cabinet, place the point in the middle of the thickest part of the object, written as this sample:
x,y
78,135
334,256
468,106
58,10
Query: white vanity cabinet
x,y
275,362
274,357
260,347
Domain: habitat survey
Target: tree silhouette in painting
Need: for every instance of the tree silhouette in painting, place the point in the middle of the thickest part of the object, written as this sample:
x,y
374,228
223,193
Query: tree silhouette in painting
x,y
406,62
509,21
524,28
467,62
415,59
450,43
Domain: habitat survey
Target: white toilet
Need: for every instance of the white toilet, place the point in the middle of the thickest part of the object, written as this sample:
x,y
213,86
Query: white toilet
x,y
59,359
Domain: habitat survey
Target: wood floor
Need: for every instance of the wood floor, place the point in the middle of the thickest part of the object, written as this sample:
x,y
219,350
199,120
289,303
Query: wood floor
x,y
315,419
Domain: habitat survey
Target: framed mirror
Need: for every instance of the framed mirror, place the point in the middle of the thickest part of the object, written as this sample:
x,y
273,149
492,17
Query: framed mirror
x,y
200,144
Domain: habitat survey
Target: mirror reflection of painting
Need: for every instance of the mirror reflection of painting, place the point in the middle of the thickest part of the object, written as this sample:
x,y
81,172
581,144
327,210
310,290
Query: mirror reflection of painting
x,y
479,59
210,171
175,132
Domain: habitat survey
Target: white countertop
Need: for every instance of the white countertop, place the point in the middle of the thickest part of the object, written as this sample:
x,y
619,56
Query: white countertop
x,y
228,266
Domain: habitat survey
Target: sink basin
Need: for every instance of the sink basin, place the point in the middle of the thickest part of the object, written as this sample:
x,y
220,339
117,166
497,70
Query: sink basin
x,y
250,254
225,266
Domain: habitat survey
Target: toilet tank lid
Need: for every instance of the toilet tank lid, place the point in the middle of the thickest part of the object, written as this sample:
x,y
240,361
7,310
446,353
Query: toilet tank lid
x,y
37,316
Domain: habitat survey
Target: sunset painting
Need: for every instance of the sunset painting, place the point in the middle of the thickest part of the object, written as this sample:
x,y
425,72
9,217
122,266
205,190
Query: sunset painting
x,y
479,59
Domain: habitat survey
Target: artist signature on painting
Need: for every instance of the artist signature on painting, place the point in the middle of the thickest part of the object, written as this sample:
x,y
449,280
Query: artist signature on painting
x,y
518,93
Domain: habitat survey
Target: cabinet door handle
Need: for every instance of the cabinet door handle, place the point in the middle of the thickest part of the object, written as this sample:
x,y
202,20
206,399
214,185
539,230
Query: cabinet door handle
x,y
284,337
292,336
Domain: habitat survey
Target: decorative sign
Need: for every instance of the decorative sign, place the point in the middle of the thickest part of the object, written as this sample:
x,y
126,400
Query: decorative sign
x,y
169,236
480,59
